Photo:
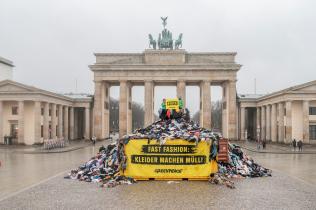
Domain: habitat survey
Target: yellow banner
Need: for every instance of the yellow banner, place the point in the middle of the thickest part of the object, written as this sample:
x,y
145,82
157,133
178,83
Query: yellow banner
x,y
176,159
172,103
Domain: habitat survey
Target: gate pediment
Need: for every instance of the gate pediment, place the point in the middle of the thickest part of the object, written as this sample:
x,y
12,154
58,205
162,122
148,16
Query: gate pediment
x,y
10,86
306,87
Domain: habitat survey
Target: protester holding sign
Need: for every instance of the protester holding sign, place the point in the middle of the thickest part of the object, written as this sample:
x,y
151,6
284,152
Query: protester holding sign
x,y
180,103
163,110
171,109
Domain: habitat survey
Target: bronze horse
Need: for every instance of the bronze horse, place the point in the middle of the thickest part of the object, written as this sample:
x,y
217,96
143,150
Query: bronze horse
x,y
178,42
152,42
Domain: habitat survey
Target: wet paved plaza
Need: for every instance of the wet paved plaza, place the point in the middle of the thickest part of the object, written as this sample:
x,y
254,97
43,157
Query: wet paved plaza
x,y
20,170
293,186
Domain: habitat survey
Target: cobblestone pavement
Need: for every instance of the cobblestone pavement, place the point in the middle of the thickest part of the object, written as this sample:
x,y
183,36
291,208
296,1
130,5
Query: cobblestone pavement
x,y
277,148
293,186
301,166
277,192
19,170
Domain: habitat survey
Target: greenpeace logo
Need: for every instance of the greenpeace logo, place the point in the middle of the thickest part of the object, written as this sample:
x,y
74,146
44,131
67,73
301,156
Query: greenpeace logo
x,y
172,103
168,171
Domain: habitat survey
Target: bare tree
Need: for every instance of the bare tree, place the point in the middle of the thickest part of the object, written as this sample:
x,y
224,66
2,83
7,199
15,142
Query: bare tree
x,y
114,115
196,117
216,112
216,115
138,114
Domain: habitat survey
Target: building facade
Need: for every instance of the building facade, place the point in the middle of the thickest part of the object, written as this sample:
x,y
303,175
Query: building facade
x,y
281,116
30,115
6,69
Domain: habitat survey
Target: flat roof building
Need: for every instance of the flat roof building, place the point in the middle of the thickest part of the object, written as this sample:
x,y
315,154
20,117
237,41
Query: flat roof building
x,y
6,69
280,116
30,114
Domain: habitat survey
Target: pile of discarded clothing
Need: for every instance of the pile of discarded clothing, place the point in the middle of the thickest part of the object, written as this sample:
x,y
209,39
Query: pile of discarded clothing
x,y
239,165
170,129
105,167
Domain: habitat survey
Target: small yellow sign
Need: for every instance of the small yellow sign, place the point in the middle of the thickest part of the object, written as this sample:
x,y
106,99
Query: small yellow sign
x,y
172,103
176,159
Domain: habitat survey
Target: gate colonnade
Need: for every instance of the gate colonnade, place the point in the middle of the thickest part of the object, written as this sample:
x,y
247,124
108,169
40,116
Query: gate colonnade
x,y
163,67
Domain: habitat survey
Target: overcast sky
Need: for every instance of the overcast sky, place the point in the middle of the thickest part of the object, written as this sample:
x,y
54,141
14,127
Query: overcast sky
x,y
52,42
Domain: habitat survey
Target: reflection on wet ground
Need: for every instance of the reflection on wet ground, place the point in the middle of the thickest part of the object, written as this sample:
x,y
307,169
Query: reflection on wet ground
x,y
22,170
277,192
301,166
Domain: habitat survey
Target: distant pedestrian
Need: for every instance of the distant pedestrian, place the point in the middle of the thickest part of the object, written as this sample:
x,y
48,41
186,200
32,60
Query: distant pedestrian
x,y
93,139
300,145
258,144
264,144
294,144
248,138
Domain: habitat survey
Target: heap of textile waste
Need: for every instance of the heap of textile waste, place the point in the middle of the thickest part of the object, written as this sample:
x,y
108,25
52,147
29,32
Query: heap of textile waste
x,y
105,167
239,165
170,129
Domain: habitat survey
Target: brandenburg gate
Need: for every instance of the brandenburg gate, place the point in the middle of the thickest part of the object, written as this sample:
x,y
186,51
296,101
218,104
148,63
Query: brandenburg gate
x,y
163,66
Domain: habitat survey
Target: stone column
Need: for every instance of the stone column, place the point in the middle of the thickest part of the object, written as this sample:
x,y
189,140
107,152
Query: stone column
x,y
232,110
149,103
123,108
46,121
1,122
37,122
258,123
288,128
66,123
87,123
129,108
224,111
181,91
98,110
281,122
242,123
71,123
273,123
263,123
106,109
54,120
60,121
268,123
21,119
305,121
205,112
